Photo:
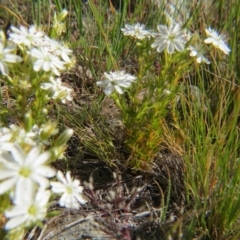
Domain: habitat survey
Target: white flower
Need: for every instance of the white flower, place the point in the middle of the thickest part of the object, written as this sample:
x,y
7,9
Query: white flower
x,y
6,56
57,90
138,31
169,37
37,131
22,137
72,192
22,171
198,53
116,80
58,49
217,40
46,61
27,212
28,37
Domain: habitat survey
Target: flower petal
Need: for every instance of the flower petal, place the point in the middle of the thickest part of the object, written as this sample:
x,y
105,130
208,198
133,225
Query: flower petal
x,y
14,222
11,58
46,171
7,185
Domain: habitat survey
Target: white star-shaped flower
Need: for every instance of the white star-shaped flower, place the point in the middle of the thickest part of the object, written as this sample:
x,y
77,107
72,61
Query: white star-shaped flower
x,y
116,80
21,172
57,90
6,56
137,31
29,211
198,53
70,189
170,38
58,49
46,61
27,36
217,40
22,137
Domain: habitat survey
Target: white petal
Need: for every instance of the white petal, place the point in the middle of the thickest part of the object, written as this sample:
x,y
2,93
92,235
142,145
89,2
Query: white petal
x,y
125,84
224,48
42,181
65,57
16,211
46,171
1,47
193,53
32,156
209,40
208,31
41,159
199,59
64,198
108,90
119,90
57,63
57,187
5,173
161,47
56,72
15,154
46,86
36,53
179,46
24,185
155,44
42,198
68,177
61,177
102,83
38,65
4,68
170,48
18,154
12,58
76,183
81,199
163,29
13,223
7,185
46,66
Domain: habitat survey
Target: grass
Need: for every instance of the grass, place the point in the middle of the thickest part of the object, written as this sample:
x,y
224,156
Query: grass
x,y
202,126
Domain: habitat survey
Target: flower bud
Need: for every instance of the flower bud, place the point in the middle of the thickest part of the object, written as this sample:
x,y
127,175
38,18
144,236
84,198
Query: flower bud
x,y
28,121
62,15
2,37
49,129
64,137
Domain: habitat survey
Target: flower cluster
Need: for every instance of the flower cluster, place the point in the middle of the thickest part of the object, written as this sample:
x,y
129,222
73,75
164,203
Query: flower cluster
x,y
44,54
30,62
169,38
47,54
19,135
29,173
